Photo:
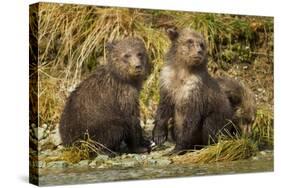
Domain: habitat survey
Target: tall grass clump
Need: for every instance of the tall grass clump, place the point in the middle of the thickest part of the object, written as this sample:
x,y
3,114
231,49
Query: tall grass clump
x,y
224,150
263,128
81,150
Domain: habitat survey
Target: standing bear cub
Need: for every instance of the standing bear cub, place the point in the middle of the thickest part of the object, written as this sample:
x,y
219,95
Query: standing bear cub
x,y
106,105
189,95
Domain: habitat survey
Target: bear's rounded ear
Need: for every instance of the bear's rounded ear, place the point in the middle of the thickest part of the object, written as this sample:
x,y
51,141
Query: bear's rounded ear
x,y
172,33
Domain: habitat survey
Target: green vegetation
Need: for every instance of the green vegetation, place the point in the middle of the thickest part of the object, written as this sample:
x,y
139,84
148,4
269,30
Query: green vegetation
x,y
263,128
71,44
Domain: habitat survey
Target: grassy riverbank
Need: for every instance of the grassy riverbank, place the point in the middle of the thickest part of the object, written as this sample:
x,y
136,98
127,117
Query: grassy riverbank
x,y
71,45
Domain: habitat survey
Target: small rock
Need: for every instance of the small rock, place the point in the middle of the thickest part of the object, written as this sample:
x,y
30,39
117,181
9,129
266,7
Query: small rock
x,y
84,163
163,162
123,156
44,126
102,166
33,125
263,153
55,138
144,156
156,155
151,161
255,158
139,157
41,164
39,133
132,155
57,164
49,141
129,163
114,163
100,159
93,164
45,152
60,147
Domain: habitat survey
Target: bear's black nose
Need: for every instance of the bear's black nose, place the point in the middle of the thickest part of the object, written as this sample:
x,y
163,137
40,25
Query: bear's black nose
x,y
138,66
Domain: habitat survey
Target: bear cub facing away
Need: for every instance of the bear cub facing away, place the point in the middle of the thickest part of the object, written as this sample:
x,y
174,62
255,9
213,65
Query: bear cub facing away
x,y
189,95
243,102
106,105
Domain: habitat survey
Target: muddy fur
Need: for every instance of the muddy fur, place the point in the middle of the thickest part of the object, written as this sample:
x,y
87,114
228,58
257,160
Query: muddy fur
x,y
189,95
106,105
243,102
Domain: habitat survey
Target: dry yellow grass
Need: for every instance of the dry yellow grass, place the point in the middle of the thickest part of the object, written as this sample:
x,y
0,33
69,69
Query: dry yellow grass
x,y
224,150
71,44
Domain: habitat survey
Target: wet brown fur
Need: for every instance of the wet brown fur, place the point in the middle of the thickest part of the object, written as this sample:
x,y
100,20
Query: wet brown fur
x,y
106,105
189,95
243,102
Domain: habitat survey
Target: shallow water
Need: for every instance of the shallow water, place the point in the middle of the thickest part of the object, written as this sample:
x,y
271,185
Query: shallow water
x,y
89,175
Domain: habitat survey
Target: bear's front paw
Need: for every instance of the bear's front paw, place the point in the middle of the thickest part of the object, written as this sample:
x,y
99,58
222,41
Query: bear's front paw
x,y
146,143
159,136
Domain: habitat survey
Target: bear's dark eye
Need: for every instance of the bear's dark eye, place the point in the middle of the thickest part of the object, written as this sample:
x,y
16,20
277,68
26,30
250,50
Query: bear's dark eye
x,y
190,41
127,55
202,45
140,55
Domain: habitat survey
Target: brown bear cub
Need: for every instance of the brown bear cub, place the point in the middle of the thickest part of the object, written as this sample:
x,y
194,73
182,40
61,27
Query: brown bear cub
x,y
106,105
189,95
243,102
